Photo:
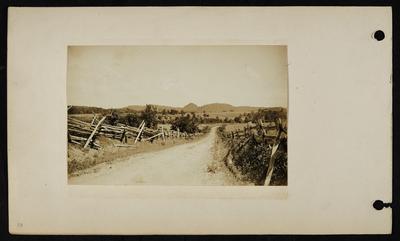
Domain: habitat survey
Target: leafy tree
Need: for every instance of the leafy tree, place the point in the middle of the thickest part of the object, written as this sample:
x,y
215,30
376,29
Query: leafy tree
x,y
113,118
149,115
173,111
201,120
87,110
237,119
132,119
268,115
185,124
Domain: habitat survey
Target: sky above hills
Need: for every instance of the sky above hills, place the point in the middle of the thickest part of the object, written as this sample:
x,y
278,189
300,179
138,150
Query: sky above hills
x,y
107,76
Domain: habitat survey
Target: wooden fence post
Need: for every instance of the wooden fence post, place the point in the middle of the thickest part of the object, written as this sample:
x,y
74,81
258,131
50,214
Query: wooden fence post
x,y
94,131
94,118
123,136
162,131
141,123
140,131
271,165
275,147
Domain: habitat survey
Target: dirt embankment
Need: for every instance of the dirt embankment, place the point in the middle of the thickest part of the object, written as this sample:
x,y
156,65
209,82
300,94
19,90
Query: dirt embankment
x,y
79,159
223,159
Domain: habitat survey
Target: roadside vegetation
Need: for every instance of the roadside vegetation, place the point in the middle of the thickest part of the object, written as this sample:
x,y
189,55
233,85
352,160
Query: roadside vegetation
x,y
249,137
250,147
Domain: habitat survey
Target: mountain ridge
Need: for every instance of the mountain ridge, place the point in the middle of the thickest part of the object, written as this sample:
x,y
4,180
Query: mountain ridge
x,y
212,107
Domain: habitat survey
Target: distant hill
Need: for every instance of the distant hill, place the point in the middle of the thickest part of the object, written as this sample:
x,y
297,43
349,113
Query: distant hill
x,y
190,108
217,107
136,107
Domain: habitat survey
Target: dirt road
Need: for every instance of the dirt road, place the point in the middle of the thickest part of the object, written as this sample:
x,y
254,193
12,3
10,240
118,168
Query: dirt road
x,y
186,164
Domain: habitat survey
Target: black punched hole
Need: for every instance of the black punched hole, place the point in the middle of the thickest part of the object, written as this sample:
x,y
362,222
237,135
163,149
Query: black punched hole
x,y
379,35
378,205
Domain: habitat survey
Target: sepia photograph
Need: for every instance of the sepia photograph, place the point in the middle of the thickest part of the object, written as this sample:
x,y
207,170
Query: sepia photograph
x,y
177,115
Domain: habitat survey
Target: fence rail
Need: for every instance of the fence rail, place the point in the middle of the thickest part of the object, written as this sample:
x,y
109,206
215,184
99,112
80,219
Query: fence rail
x,y
85,133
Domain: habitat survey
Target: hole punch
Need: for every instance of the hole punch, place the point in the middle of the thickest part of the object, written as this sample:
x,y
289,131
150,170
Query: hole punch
x,y
379,35
379,205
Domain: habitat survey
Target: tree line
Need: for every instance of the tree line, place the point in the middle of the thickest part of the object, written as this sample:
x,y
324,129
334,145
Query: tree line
x,y
184,121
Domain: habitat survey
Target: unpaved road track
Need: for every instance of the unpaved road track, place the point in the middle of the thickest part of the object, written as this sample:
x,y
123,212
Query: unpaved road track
x,y
184,164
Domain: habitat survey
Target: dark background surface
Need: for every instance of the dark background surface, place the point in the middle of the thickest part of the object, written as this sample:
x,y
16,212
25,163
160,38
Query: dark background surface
x,y
69,3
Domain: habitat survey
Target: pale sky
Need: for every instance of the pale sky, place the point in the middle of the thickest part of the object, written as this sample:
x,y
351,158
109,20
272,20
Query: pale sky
x,y
113,77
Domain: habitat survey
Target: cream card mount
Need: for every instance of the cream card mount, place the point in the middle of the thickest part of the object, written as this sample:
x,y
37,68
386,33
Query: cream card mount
x,y
336,86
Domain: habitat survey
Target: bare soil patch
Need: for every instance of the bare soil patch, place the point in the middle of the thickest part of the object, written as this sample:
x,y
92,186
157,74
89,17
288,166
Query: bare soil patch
x,y
79,159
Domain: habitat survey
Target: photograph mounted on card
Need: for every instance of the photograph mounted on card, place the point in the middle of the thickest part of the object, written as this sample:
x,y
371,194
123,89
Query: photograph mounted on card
x,y
151,120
